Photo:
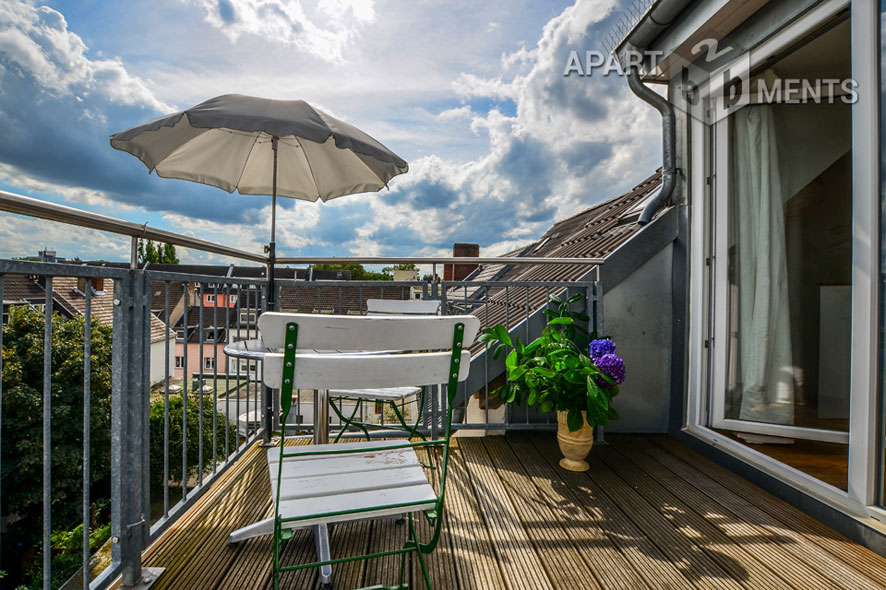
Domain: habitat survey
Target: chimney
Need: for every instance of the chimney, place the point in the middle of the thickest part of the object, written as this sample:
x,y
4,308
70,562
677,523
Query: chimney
x,y
457,272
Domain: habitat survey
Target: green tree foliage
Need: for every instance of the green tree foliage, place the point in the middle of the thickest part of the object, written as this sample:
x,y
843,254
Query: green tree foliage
x,y
156,254
176,406
358,273
389,270
22,459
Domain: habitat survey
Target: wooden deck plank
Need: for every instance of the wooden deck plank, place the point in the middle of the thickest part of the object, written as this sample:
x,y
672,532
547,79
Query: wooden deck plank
x,y
441,562
521,566
588,532
763,543
735,558
477,564
697,565
563,563
840,557
648,514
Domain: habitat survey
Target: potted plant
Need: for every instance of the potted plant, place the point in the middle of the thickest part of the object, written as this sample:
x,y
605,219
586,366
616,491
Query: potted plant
x,y
565,370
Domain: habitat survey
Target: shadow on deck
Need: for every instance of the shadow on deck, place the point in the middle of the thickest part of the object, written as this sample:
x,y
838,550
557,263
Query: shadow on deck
x,y
649,513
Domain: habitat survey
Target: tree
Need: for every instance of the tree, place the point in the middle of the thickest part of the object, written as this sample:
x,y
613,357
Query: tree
x,y
358,273
156,254
389,270
223,430
22,458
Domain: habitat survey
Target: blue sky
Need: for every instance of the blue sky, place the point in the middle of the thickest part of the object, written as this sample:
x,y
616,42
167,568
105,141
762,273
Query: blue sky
x,y
472,94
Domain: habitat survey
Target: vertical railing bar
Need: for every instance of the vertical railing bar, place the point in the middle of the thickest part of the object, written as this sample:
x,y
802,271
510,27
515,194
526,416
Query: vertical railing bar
x,y
528,313
47,435
87,392
341,308
239,385
166,406
185,382
215,378
1,394
298,298
362,302
227,371
144,412
200,367
485,358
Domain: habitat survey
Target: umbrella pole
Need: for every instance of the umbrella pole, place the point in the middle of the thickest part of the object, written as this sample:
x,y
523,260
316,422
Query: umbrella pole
x,y
272,254
272,294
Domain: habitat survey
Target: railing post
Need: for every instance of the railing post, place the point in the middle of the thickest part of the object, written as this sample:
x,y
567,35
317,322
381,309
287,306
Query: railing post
x,y
595,299
130,398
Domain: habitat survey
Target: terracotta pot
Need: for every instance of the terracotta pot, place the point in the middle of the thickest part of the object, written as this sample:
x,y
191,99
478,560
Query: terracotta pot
x,y
576,445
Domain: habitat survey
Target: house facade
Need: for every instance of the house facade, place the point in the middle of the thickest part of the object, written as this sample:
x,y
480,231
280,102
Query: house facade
x,y
772,132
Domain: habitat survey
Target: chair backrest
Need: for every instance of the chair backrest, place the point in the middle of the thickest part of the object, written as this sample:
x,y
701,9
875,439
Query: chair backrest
x,y
348,352
402,306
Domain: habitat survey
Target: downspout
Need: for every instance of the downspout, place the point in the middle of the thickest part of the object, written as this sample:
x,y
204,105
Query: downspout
x,y
669,144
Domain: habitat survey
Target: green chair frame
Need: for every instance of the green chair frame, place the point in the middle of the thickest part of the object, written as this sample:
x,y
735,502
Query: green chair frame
x,y
434,516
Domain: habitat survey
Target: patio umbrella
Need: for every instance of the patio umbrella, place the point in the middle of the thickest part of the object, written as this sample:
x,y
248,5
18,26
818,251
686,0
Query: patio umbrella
x,y
236,142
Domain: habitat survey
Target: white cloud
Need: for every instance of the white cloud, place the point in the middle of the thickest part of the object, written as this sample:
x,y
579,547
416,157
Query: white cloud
x,y
36,41
327,36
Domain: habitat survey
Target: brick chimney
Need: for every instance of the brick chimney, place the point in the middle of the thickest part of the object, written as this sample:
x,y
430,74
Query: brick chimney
x,y
457,272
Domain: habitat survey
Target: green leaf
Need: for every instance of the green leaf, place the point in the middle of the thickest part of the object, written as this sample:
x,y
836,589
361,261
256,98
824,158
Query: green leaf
x,y
511,360
574,420
567,321
576,297
503,335
554,299
516,372
580,316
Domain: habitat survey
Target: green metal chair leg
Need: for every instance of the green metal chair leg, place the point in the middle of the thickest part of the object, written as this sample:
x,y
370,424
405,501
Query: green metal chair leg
x,y
419,554
349,421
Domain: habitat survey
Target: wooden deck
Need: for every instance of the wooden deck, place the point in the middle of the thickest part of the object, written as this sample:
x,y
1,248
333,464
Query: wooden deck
x,y
649,513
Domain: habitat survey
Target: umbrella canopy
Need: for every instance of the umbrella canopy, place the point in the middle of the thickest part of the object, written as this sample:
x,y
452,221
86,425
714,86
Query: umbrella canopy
x,y
228,142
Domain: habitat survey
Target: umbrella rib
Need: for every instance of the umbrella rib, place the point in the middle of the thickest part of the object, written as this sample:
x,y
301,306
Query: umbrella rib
x,y
246,160
308,162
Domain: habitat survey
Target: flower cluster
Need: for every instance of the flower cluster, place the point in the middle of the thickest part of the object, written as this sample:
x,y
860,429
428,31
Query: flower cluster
x,y
610,364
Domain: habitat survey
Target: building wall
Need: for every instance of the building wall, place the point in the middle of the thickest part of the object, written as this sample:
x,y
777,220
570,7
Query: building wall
x,y
638,317
195,363
158,359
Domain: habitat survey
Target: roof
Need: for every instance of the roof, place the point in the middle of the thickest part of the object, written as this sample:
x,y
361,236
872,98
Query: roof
x,y
101,304
595,232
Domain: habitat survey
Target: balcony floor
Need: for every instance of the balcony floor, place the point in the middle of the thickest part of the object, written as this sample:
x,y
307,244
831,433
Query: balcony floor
x,y
649,513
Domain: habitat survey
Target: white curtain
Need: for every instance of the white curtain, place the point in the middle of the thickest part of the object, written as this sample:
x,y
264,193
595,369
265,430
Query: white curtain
x,y
766,374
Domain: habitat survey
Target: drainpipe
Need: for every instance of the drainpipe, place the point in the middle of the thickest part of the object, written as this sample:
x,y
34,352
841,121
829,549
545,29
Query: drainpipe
x,y
669,144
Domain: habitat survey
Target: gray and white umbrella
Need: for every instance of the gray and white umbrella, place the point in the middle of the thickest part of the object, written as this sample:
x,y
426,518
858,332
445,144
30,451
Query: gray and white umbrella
x,y
259,146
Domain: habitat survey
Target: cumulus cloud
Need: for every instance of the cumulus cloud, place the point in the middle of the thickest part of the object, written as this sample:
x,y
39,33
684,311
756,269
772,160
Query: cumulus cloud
x,y
573,142
327,35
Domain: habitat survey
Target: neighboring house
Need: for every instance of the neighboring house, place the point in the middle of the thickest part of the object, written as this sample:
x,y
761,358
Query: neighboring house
x,y
775,165
68,299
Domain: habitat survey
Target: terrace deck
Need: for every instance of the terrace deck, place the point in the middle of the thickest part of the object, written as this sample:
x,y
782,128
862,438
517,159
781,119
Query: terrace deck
x,y
649,513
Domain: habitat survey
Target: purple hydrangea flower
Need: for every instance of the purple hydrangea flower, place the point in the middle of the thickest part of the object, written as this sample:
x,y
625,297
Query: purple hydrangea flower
x,y
602,347
613,367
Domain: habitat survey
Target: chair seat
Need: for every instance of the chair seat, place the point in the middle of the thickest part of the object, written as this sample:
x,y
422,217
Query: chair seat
x,y
375,483
380,394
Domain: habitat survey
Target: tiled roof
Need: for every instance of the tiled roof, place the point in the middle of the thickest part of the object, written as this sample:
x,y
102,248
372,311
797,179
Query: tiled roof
x,y
101,305
20,288
593,233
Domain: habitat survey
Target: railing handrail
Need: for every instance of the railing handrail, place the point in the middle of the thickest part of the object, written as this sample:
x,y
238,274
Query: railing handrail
x,y
14,203
434,260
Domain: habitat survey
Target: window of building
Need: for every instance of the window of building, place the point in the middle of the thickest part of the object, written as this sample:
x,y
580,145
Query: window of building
x,y
179,362
209,363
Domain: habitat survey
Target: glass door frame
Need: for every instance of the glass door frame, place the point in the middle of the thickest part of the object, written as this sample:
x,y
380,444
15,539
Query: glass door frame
x,y
708,333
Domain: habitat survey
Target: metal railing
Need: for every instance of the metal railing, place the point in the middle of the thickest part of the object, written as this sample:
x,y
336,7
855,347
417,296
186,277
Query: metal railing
x,y
181,410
